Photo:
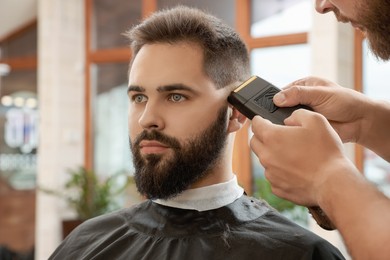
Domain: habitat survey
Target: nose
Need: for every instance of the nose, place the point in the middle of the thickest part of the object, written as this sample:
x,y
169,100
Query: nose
x,y
324,6
151,117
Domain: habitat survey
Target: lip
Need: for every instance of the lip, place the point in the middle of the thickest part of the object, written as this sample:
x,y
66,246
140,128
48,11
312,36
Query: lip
x,y
151,146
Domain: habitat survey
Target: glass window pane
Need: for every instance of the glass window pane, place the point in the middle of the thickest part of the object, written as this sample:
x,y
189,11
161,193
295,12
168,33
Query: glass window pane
x,y
111,19
19,129
375,85
223,9
111,141
24,44
275,17
272,64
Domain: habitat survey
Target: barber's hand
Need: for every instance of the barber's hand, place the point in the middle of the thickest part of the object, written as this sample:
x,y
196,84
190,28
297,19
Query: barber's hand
x,y
300,157
344,108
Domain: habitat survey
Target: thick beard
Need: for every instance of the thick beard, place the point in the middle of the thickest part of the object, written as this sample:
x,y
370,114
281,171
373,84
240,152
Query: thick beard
x,y
163,176
375,17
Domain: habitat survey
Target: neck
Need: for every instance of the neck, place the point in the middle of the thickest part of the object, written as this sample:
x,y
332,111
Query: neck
x,y
221,172
212,179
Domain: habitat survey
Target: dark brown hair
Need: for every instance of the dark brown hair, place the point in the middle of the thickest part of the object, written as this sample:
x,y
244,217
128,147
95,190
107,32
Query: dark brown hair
x,y
226,58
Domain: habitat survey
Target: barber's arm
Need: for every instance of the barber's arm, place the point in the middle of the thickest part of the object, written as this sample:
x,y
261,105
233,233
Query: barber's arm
x,y
305,161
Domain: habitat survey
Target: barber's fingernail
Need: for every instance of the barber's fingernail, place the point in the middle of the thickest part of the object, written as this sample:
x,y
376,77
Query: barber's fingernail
x,y
279,98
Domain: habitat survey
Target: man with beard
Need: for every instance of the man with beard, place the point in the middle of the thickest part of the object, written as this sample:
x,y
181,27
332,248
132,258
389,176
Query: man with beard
x,y
185,63
312,142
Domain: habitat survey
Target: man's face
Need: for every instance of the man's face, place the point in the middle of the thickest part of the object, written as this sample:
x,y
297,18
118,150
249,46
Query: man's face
x,y
177,119
370,16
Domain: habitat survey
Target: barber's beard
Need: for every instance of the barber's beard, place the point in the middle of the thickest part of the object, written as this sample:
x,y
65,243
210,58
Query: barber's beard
x,y
166,175
376,19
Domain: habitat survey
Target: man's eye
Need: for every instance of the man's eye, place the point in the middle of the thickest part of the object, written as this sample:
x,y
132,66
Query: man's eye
x,y
139,98
177,97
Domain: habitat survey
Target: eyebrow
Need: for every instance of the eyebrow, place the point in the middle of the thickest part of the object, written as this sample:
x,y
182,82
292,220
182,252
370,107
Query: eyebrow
x,y
135,89
166,88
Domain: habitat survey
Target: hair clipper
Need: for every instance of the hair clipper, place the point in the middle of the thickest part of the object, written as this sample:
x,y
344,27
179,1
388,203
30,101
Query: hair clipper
x,y
255,97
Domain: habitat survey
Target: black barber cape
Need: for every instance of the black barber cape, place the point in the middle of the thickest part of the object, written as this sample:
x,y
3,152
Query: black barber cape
x,y
245,229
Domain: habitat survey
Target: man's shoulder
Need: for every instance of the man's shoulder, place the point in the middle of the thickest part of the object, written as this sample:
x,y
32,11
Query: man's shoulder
x,y
95,232
115,218
273,222
270,230
106,223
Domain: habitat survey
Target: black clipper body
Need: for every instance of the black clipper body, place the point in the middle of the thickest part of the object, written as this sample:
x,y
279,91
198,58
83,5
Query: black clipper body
x,y
254,97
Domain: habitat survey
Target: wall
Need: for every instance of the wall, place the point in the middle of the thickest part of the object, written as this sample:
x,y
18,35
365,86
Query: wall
x,y
17,218
61,95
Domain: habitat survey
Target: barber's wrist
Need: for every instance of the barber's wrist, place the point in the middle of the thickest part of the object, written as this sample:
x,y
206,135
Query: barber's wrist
x,y
375,127
333,183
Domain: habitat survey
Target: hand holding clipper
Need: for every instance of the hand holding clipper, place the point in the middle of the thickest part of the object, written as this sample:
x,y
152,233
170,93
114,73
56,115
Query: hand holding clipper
x,y
255,97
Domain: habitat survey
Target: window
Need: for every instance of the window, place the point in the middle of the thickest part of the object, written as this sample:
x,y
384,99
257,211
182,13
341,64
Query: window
x,y
18,137
272,65
224,9
19,109
275,17
375,86
110,20
111,142
107,58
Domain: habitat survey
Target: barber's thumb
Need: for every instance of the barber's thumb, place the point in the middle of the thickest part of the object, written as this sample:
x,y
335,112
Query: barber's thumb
x,y
288,97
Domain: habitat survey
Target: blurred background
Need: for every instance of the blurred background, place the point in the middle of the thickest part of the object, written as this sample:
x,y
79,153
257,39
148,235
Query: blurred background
x,y
63,104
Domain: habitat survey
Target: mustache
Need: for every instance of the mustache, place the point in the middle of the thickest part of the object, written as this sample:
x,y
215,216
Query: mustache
x,y
157,136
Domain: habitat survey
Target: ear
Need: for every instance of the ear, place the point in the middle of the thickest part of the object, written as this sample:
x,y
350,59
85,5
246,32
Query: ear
x,y
236,120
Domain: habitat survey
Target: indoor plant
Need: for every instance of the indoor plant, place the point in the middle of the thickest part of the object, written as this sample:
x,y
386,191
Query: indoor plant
x,y
293,211
89,195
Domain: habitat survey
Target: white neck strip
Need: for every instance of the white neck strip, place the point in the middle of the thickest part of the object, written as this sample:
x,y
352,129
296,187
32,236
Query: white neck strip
x,y
206,198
